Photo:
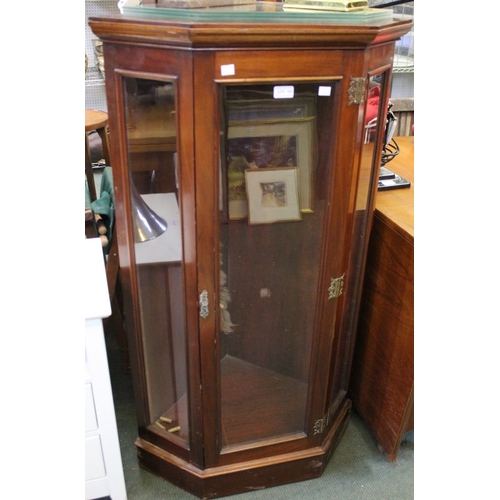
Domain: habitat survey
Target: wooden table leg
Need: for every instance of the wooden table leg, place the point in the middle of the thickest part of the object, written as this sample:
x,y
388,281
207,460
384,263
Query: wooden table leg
x,y
89,171
103,134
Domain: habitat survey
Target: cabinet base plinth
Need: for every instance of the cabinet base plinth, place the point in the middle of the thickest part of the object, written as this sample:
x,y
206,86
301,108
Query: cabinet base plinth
x,y
243,477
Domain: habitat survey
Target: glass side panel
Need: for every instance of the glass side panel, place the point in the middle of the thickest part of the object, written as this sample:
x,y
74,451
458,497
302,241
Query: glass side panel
x,y
150,108
272,207
374,125
375,117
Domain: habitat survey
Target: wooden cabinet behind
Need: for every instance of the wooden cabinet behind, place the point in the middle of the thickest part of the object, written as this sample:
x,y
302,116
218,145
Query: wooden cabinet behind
x,y
247,139
382,376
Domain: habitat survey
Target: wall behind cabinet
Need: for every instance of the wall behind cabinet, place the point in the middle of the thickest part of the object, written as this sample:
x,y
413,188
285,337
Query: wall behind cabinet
x,y
95,92
404,56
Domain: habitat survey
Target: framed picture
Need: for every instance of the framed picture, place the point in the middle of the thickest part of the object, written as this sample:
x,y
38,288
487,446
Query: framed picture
x,y
273,195
266,145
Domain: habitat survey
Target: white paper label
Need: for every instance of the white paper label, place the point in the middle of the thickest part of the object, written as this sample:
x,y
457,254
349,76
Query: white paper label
x,y
283,92
227,70
324,90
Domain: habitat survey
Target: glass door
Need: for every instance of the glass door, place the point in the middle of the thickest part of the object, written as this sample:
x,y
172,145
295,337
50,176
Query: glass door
x,y
151,138
274,176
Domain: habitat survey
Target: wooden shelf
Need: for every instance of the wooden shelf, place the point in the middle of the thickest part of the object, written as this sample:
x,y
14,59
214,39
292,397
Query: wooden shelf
x,y
257,404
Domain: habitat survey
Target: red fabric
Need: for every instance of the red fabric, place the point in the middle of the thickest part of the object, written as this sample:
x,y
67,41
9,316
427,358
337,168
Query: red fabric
x,y
372,104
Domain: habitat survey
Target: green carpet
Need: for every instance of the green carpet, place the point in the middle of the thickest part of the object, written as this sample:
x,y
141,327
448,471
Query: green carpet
x,y
356,471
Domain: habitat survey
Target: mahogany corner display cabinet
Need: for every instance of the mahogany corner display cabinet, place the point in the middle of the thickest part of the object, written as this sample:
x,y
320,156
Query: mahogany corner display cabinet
x,y
245,143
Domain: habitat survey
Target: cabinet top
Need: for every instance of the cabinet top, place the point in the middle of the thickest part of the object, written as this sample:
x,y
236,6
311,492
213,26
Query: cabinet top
x,y
248,24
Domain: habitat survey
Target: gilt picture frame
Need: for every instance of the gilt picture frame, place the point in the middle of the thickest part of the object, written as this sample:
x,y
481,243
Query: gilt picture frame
x,y
273,195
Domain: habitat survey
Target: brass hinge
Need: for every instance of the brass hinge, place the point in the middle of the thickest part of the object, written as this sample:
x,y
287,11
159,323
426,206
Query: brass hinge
x,y
356,90
336,287
320,425
204,304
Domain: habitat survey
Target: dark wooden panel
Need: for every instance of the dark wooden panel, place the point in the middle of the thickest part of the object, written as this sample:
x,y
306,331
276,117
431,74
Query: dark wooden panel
x,y
275,331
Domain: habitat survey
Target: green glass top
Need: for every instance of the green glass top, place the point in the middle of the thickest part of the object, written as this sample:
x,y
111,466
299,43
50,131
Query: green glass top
x,y
248,11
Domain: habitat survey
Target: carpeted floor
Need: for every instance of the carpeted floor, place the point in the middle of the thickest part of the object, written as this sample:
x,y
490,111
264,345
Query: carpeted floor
x,y
356,471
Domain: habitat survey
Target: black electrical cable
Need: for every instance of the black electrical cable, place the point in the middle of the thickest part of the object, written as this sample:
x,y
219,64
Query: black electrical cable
x,y
388,4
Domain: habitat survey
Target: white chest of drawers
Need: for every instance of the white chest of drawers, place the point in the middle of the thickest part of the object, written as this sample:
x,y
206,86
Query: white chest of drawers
x,y
103,465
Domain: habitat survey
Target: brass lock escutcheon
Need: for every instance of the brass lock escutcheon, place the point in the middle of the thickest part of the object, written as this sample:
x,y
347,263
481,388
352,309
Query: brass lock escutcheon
x,y
357,90
336,287
204,304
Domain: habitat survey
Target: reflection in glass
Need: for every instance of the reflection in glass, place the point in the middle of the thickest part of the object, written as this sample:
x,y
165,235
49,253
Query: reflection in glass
x,y
150,110
147,223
